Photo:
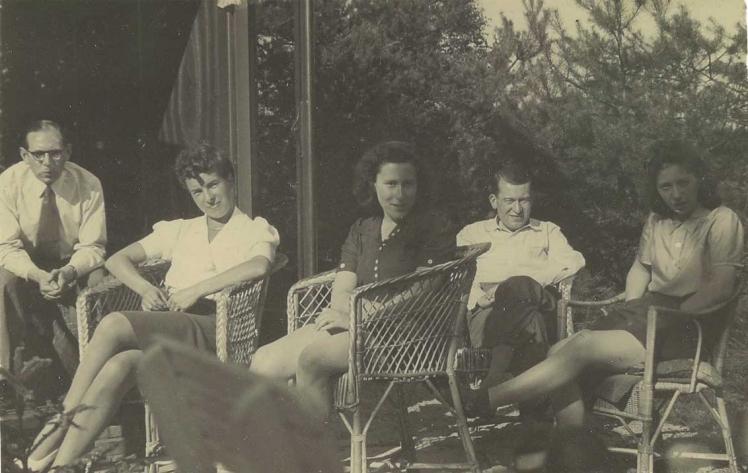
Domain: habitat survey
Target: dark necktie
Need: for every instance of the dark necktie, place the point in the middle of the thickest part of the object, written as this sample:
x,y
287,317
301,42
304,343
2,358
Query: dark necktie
x,y
48,235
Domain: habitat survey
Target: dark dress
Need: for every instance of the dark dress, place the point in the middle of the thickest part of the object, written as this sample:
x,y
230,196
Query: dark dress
x,y
423,239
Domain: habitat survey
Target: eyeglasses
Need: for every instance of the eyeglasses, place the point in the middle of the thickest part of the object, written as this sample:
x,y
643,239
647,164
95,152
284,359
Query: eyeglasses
x,y
54,155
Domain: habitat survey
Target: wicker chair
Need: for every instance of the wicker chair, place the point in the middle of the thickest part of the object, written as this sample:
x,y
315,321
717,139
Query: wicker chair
x,y
403,330
238,318
666,381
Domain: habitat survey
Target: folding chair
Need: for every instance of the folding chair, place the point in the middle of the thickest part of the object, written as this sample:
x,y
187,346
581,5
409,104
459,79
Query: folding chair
x,y
238,318
216,415
668,380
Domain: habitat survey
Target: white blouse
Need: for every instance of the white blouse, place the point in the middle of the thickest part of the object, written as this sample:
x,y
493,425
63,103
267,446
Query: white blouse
x,y
195,259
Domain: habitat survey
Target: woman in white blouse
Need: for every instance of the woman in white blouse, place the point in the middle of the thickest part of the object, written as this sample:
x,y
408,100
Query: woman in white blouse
x,y
220,248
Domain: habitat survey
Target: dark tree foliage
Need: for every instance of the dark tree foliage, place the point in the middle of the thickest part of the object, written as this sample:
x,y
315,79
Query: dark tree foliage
x,y
581,107
601,96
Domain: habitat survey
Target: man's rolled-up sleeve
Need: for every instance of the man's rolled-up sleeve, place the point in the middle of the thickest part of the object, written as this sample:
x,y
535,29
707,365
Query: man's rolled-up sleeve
x,y
566,260
90,249
13,257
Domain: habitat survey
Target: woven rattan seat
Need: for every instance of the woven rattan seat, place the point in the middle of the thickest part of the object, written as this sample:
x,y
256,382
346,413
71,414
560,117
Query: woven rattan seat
x,y
238,317
658,387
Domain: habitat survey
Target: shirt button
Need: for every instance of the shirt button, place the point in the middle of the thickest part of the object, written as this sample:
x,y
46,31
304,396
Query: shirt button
x,y
342,265
430,261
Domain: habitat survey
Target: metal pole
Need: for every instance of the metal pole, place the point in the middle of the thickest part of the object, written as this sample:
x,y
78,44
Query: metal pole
x,y
306,208
242,60
4,147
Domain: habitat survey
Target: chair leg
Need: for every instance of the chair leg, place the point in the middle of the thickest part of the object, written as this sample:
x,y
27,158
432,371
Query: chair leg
x,y
645,454
151,439
358,456
645,451
462,425
727,434
406,439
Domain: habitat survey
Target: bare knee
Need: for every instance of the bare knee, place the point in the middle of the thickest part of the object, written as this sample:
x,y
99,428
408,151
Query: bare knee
x,y
263,361
114,331
314,362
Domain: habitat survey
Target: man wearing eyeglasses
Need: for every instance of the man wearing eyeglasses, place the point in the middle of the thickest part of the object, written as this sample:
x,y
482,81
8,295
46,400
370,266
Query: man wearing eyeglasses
x,y
52,236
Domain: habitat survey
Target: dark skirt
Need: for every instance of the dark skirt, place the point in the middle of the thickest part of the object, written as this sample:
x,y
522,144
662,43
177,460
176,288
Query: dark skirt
x,y
196,328
676,336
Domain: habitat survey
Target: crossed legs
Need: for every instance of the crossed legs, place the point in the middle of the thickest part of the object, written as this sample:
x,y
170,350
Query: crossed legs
x,y
104,376
610,350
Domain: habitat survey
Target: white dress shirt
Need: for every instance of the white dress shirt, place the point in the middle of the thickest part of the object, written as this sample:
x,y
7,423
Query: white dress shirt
x,y
538,250
80,202
195,259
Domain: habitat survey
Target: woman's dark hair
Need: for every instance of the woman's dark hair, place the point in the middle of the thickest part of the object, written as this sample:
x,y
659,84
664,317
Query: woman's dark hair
x,y
202,158
371,162
684,154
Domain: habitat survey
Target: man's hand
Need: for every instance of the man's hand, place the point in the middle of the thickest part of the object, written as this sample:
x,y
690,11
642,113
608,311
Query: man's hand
x,y
332,319
65,278
154,298
48,286
183,299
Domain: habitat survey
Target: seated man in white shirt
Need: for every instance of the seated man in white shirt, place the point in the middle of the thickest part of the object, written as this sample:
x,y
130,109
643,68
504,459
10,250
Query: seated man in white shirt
x,y
511,301
52,236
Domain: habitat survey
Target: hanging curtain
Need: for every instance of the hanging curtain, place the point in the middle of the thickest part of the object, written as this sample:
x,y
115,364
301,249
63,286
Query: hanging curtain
x,y
199,108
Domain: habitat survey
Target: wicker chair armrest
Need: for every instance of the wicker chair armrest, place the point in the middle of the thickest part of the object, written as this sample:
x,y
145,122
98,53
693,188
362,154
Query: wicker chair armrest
x,y
605,302
94,303
565,285
307,298
315,280
699,313
111,295
239,310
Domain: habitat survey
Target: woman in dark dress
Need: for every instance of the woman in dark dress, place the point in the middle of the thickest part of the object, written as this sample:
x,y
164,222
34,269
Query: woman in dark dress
x,y
398,235
217,249
689,255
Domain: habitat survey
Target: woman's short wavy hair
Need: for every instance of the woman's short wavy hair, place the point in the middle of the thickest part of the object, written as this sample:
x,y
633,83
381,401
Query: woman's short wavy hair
x,y
678,152
202,158
367,168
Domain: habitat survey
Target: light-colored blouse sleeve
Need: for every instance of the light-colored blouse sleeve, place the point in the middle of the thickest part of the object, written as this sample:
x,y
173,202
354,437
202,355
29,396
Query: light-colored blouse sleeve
x,y
265,239
645,242
725,240
161,242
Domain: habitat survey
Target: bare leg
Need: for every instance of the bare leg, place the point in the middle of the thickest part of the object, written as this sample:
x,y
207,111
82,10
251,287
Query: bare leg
x,y
569,406
113,335
103,398
280,358
318,363
612,350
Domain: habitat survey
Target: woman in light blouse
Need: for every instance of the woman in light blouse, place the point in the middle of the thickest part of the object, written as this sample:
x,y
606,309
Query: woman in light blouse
x,y
208,253
397,235
690,251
